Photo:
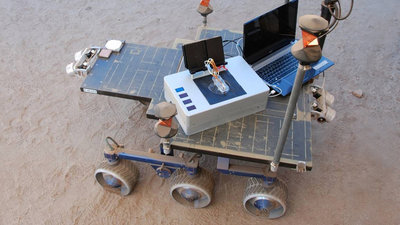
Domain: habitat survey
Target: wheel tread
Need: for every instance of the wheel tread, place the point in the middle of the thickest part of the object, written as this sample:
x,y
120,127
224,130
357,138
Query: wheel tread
x,y
255,186
126,170
202,179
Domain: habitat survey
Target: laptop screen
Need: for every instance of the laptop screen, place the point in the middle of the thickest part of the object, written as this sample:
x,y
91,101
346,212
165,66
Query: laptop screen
x,y
269,32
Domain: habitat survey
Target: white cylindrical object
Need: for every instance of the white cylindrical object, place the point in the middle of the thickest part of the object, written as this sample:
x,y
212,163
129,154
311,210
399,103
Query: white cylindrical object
x,y
329,98
70,69
330,114
166,146
78,55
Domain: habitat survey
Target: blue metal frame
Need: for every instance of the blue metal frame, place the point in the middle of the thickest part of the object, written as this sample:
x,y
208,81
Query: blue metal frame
x,y
155,162
267,180
111,157
240,173
164,173
224,166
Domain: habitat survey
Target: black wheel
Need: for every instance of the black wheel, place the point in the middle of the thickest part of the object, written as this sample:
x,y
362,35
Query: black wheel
x,y
193,191
265,201
120,178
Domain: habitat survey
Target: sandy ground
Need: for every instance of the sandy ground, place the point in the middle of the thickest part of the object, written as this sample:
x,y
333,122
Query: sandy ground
x,y
52,135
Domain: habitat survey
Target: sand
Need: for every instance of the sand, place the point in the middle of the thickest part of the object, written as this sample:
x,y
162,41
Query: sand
x,y
52,135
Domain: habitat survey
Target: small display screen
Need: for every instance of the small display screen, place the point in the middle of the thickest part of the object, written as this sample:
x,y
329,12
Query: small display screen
x,y
269,32
197,52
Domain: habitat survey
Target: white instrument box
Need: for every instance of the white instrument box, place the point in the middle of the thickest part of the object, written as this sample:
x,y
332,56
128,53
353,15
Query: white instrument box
x,y
199,108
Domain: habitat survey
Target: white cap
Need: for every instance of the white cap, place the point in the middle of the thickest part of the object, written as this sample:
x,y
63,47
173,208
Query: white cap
x,y
114,45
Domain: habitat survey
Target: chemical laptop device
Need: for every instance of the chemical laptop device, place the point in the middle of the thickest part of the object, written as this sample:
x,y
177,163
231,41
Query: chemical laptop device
x,y
205,97
267,41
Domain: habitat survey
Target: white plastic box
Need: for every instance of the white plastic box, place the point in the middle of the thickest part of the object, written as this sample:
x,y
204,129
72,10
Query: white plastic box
x,y
195,113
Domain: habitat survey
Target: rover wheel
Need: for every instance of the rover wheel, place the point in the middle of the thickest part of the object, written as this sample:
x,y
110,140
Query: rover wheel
x,y
119,178
193,191
269,202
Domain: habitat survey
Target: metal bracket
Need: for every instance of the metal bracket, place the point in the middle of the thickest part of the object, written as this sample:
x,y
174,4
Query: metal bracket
x,y
156,160
321,107
84,62
262,171
163,171
274,167
163,164
301,167
112,150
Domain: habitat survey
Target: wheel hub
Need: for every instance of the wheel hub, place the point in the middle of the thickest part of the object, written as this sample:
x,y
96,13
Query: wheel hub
x,y
112,181
163,172
265,201
262,204
189,194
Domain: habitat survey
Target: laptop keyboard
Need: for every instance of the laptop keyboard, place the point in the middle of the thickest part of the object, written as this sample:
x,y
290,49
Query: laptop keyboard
x,y
275,71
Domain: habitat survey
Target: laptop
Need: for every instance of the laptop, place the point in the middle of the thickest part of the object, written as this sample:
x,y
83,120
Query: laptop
x,y
267,41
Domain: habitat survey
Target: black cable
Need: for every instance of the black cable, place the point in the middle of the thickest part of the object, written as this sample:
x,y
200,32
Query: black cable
x,y
330,30
233,40
335,15
345,17
335,21
230,41
115,143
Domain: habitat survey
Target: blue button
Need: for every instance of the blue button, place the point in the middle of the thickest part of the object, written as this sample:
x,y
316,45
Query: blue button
x,y
187,101
190,108
184,95
179,89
